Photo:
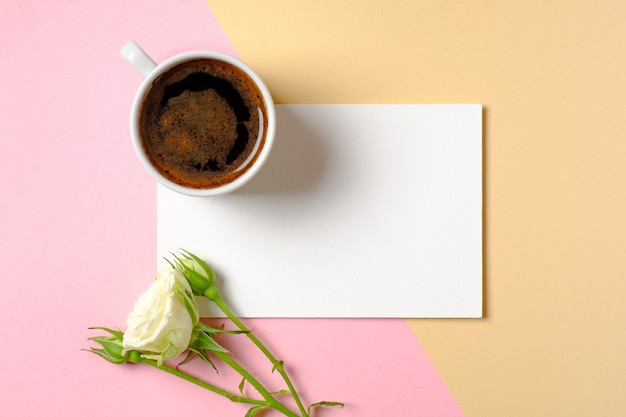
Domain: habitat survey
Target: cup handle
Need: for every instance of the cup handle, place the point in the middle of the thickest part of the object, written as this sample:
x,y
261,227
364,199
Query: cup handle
x,y
136,57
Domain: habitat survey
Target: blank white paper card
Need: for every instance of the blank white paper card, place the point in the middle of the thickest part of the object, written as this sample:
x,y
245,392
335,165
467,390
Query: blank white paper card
x,y
370,210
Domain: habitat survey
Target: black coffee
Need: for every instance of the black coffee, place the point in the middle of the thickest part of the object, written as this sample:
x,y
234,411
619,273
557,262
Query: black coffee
x,y
200,123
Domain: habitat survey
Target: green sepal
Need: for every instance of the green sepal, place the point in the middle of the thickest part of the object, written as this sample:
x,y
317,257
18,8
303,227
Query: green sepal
x,y
324,404
210,274
202,354
200,281
115,333
111,346
217,330
190,354
190,303
104,355
241,385
254,410
204,341
197,282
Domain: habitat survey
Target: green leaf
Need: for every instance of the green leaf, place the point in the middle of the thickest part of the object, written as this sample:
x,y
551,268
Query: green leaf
x,y
254,410
324,404
241,385
281,392
278,366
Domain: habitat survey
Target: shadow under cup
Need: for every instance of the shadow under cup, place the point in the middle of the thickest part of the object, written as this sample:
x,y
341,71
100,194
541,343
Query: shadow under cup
x,y
203,123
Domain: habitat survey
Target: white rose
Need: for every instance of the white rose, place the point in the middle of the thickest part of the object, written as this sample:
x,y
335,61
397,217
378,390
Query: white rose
x,y
163,319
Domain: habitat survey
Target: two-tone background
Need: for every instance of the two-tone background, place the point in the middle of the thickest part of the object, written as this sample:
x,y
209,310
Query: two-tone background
x,y
77,219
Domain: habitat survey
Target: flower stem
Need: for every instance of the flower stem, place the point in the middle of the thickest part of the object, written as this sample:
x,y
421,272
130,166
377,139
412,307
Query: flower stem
x,y
278,365
233,397
271,401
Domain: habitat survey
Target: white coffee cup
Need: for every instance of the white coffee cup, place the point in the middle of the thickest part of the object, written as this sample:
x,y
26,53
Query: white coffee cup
x,y
151,71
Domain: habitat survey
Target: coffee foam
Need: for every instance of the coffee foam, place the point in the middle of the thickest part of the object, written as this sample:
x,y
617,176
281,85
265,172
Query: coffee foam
x,y
202,123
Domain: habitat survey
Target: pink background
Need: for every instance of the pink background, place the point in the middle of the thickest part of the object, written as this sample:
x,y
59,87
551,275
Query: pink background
x,y
78,233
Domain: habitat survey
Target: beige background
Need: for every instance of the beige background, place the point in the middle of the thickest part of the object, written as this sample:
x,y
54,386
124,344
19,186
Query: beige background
x,y
552,78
